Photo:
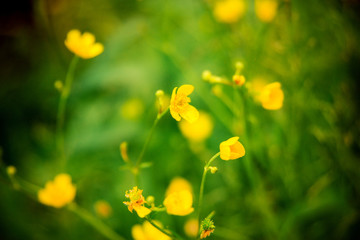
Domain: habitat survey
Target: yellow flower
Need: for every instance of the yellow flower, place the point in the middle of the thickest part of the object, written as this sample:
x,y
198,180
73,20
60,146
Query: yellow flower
x,y
11,170
231,149
191,227
271,96
178,184
199,130
84,45
148,232
206,233
179,203
136,202
229,11
59,192
179,104
266,9
103,209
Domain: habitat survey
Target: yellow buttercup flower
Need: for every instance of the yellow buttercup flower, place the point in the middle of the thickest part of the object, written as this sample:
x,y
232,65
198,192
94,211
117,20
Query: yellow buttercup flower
x,y
229,11
59,192
83,45
199,130
136,202
146,231
231,149
103,209
266,9
179,104
272,96
178,184
179,203
191,228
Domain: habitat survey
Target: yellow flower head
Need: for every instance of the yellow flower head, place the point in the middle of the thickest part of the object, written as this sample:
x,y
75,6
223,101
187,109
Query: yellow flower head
x,y
179,104
103,209
179,203
178,184
198,131
84,45
229,11
59,192
266,9
136,202
271,96
191,228
231,149
148,232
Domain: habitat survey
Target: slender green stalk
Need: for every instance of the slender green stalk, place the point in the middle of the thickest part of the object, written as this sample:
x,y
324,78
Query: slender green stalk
x,y
65,92
96,223
172,235
206,168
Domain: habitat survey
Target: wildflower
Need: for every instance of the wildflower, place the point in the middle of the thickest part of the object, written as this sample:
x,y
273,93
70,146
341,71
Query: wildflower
x,y
148,232
266,9
179,203
213,169
103,209
123,151
178,184
271,96
132,109
59,192
198,131
229,11
11,170
136,202
231,149
207,227
239,79
191,227
84,45
179,104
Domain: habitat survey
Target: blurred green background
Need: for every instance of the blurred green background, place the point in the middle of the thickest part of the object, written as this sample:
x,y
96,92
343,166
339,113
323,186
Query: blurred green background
x,y
300,178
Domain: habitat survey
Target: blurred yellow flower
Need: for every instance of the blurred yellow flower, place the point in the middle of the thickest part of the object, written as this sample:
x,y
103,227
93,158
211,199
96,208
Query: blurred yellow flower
x,y
148,232
179,104
59,192
272,96
11,170
231,149
266,9
229,11
132,109
83,45
199,130
103,209
136,202
178,184
191,228
179,203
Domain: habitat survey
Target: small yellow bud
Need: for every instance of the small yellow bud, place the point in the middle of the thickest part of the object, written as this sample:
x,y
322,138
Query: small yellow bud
x,y
239,79
206,75
213,169
239,66
58,85
150,200
159,93
103,209
11,170
123,151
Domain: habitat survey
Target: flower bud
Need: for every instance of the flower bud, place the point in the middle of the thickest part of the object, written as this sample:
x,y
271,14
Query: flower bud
x,y
213,169
58,85
206,75
123,151
11,170
239,79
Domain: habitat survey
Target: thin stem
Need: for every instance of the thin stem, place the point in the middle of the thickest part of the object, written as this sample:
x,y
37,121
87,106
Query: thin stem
x,y
162,230
65,92
206,168
96,223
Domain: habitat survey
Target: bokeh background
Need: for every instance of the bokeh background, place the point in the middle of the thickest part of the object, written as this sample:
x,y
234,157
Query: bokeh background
x,y
300,178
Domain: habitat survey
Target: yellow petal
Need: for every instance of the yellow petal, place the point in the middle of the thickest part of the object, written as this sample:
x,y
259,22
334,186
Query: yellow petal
x,y
142,211
190,114
224,152
186,89
137,232
231,141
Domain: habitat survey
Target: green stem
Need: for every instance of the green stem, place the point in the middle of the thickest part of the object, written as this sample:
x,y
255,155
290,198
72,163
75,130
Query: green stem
x,y
172,236
96,223
206,168
65,92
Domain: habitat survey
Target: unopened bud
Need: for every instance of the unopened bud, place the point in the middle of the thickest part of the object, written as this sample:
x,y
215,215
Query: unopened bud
x,y
213,169
150,200
206,75
58,85
239,79
11,170
123,151
239,66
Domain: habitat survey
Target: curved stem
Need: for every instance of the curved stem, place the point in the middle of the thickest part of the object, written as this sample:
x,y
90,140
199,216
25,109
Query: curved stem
x,y
96,223
65,92
206,168
171,235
